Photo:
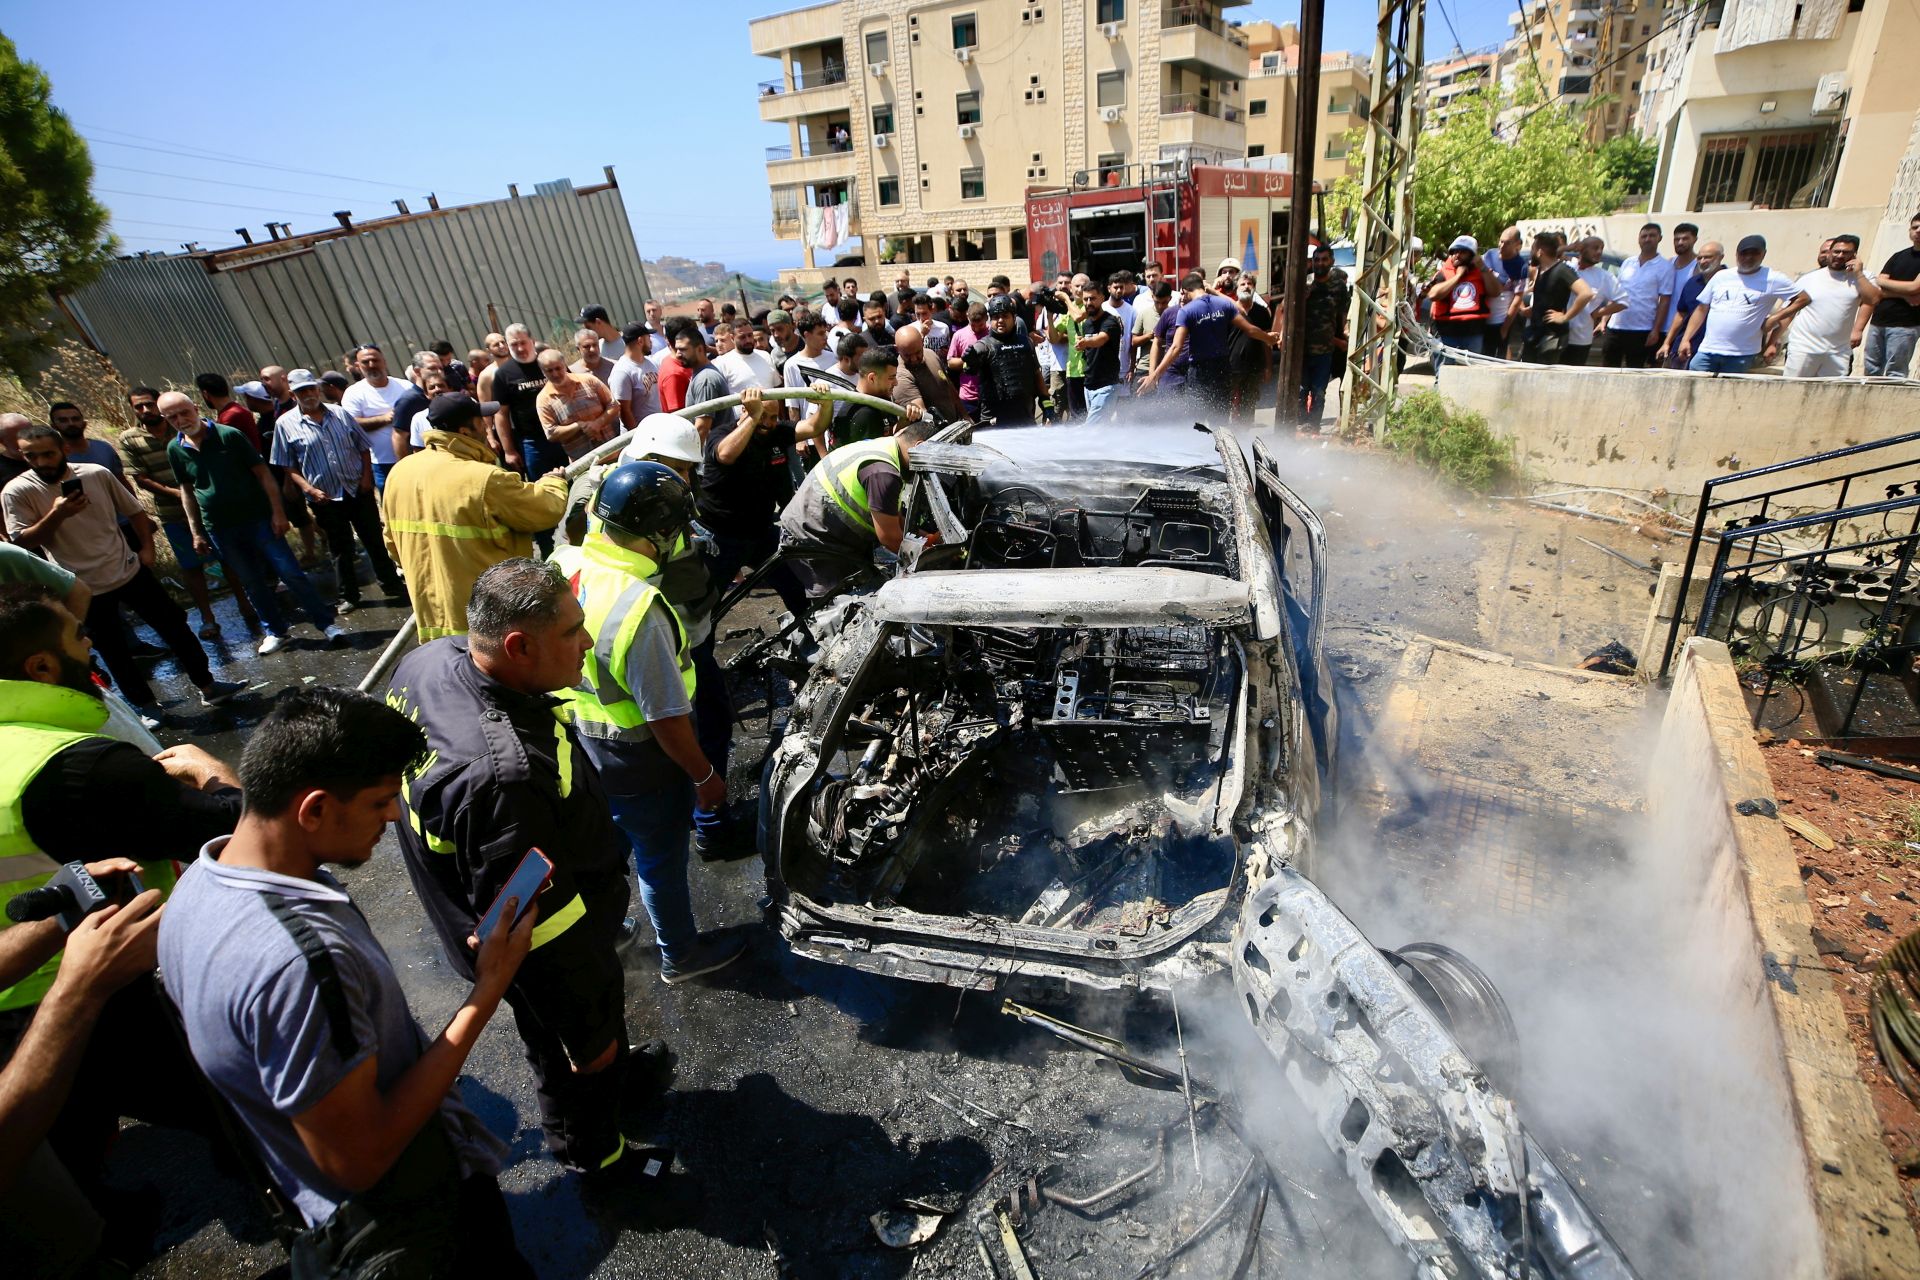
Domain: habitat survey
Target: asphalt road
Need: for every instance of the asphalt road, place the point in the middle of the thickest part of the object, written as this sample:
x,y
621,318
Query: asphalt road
x,y
809,1097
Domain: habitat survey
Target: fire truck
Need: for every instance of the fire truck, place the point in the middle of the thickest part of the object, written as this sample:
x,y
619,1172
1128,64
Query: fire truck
x,y
1183,217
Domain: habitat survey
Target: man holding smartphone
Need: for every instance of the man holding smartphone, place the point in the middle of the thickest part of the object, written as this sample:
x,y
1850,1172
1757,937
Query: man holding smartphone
x,y
504,775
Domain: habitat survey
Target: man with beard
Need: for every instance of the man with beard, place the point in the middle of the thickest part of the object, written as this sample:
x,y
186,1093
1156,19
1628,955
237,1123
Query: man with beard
x,y
327,456
71,423
68,511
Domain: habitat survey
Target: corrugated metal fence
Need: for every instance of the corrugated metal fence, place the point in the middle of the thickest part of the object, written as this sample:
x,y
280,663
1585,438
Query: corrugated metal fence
x,y
401,283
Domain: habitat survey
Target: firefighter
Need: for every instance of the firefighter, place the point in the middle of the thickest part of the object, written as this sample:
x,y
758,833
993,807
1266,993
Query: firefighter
x,y
451,512
634,707
505,773
847,506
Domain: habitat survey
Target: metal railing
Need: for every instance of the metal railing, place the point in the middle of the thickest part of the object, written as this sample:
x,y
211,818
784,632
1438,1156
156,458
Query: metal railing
x,y
804,80
809,150
1174,104
1200,15
1807,538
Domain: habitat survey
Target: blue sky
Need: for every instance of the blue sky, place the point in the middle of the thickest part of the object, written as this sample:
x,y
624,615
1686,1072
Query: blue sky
x,y
208,116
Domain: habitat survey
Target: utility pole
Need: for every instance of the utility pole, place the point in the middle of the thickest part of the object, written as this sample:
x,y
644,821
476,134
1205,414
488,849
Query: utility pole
x,y
1293,278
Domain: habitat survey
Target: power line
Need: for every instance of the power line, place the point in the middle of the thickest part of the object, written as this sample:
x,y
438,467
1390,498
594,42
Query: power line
x,y
218,182
169,146
218,204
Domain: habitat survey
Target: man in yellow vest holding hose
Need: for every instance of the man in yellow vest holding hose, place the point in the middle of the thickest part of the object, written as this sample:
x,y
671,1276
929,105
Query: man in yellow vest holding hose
x,y
633,708
848,505
70,793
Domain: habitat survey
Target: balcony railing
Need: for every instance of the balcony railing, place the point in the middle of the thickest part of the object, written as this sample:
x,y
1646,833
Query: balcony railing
x,y
1200,15
1174,104
828,147
803,79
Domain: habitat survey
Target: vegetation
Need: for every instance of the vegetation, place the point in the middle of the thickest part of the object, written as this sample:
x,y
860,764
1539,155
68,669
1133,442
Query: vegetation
x,y
1454,443
1628,162
53,235
1477,175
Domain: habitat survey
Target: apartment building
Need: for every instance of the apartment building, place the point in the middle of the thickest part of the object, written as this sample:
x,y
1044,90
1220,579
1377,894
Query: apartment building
x,y
1273,98
1445,82
1590,54
1773,104
918,128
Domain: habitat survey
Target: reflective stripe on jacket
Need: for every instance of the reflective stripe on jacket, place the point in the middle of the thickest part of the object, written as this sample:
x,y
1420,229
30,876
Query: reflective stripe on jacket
x,y
615,588
840,474
451,515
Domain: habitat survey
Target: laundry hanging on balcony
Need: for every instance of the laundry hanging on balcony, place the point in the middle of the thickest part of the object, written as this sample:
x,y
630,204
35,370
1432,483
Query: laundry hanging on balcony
x,y
827,226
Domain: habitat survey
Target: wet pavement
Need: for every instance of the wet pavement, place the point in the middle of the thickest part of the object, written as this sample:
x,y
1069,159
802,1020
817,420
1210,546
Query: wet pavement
x,y
810,1097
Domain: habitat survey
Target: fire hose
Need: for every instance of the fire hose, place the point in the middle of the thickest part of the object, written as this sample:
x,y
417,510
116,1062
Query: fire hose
x,y
403,639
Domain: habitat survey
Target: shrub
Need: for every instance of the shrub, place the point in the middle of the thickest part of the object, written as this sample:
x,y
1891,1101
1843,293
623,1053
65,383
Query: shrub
x,y
1455,443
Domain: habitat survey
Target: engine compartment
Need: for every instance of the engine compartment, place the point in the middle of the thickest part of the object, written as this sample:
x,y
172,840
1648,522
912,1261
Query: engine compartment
x,y
1059,777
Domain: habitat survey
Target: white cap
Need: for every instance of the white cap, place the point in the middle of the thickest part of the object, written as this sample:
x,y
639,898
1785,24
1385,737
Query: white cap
x,y
1416,245
301,378
663,435
1464,242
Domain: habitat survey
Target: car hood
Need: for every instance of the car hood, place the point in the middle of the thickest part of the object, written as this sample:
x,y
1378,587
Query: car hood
x,y
1099,597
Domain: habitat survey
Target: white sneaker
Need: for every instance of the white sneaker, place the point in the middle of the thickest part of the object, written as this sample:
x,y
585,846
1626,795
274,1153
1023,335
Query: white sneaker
x,y
272,644
336,634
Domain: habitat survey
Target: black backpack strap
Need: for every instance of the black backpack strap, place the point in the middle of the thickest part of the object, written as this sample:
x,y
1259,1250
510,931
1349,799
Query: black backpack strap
x,y
326,976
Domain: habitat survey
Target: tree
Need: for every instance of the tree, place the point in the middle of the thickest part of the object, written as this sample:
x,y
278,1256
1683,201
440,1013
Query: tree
x,y
1628,162
1476,176
53,235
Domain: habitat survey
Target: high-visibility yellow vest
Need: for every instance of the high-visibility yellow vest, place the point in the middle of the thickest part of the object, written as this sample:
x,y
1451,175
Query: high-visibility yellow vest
x,y
840,473
613,587
37,722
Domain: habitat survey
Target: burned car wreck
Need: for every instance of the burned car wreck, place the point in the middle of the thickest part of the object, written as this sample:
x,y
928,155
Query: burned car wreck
x,y
1081,745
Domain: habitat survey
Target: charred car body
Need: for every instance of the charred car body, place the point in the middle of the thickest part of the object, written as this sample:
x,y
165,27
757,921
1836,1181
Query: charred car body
x,y
1082,746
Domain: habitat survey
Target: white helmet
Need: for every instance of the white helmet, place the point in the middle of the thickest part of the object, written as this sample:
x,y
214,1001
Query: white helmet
x,y
663,435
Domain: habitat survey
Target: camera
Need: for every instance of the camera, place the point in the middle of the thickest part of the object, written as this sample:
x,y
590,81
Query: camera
x,y
72,894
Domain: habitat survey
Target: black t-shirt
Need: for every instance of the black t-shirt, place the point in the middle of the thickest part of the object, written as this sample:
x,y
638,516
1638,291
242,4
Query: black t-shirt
x,y
516,385
412,401
1552,291
1898,312
743,498
1103,361
102,796
1244,351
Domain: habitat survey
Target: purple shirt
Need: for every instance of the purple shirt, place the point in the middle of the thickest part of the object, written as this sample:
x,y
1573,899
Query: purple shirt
x,y
1176,374
963,338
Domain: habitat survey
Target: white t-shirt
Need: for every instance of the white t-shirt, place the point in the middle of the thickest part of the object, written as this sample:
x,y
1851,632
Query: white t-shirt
x,y
743,369
1500,290
1606,290
799,374
1738,306
1643,284
611,349
1825,325
417,432
636,383
364,400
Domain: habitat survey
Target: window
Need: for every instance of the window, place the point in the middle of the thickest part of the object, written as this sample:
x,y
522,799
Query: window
x,y
1017,242
1110,166
967,107
1337,105
1257,107
1336,148
1269,64
973,184
1110,11
883,117
1111,88
1764,170
889,190
1636,86
966,31
876,47
973,246
1255,150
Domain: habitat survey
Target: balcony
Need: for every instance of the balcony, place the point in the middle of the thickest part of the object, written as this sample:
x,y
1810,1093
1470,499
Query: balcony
x,y
822,89
789,211
1196,37
1187,119
817,24
824,162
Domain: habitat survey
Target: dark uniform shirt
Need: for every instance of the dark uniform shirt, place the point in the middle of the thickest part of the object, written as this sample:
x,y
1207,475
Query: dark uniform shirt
x,y
1326,318
507,774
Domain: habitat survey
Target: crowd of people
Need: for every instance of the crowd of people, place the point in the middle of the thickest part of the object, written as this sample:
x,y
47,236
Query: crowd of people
x,y
1688,310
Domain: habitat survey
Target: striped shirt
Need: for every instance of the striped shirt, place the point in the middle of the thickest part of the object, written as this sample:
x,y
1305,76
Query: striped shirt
x,y
327,453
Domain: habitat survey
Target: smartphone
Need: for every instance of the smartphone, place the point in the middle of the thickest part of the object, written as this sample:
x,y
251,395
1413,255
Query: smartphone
x,y
70,485
526,882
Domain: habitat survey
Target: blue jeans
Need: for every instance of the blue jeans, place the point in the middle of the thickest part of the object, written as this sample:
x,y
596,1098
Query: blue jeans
x,y
1712,362
655,823
1888,350
380,470
712,727
1099,405
1316,371
1459,337
254,556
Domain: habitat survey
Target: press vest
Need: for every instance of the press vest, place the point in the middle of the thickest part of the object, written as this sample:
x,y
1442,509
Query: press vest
x,y
614,588
37,722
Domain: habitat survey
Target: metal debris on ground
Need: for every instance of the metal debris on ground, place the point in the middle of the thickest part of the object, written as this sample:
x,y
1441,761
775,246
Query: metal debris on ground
x,y
1010,1241
1840,759
1135,1068
904,1227
1893,1004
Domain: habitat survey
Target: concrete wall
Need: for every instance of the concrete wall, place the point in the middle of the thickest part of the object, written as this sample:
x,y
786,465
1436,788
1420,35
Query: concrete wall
x,y
1793,235
1646,430
1836,1207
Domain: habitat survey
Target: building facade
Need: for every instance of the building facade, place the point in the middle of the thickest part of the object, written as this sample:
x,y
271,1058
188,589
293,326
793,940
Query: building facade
x,y
1273,99
1589,54
1773,104
1445,82
918,128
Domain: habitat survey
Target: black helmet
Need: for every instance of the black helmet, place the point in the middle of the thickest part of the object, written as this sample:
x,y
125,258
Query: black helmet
x,y
645,500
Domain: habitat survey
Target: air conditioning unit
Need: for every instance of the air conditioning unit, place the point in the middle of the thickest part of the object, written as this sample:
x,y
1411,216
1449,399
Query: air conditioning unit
x,y
882,139
879,70
1830,95
964,55
966,130
1111,30
1110,114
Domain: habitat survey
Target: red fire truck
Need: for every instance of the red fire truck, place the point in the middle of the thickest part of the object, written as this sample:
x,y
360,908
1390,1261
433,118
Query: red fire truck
x,y
1184,219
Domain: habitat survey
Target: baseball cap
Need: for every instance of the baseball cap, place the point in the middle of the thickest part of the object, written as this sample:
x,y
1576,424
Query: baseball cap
x,y
1417,245
591,312
1464,242
1227,264
334,378
255,390
450,409
300,378
1752,244
779,316
635,331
